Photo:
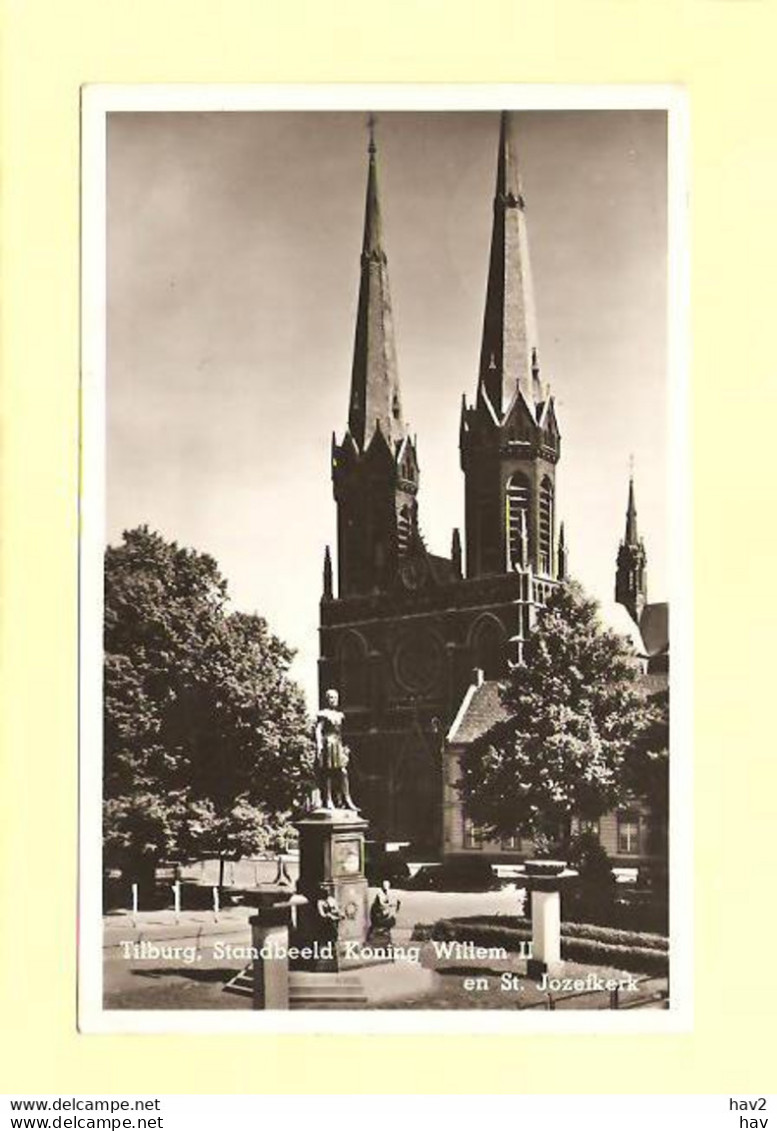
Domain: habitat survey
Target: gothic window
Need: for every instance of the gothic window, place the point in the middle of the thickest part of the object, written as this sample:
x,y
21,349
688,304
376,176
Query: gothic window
x,y
518,497
404,529
489,649
354,686
546,526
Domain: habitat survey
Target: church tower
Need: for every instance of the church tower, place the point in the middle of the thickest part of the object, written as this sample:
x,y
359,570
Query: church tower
x,y
402,630
374,468
509,439
631,573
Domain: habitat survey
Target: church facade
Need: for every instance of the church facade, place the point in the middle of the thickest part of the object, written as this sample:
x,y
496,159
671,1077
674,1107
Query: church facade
x,y
402,628
631,835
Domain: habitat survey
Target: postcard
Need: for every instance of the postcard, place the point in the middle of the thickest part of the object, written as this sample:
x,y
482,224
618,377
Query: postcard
x,y
384,504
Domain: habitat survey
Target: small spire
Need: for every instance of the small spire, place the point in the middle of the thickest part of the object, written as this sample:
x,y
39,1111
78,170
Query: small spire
x,y
456,551
563,557
537,391
327,574
371,123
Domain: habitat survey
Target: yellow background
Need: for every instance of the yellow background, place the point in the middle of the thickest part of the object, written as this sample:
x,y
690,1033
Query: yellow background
x,y
723,52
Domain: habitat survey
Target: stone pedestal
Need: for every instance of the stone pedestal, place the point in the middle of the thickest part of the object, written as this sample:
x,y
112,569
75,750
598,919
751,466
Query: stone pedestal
x,y
546,928
331,852
270,938
545,880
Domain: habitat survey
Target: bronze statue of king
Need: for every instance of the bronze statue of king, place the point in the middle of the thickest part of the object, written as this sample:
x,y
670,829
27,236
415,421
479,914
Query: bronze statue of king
x,y
331,764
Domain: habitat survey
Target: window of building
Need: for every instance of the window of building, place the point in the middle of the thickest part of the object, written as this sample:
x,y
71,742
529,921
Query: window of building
x,y
546,526
518,497
404,528
511,843
628,833
473,836
588,825
489,649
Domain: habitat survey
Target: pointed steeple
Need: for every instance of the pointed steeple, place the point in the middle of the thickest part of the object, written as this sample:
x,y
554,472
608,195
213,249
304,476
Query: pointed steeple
x,y
375,393
508,358
456,551
632,537
327,574
631,572
563,554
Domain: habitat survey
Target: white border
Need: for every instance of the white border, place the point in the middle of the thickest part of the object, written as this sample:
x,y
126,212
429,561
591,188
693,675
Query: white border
x,y
97,102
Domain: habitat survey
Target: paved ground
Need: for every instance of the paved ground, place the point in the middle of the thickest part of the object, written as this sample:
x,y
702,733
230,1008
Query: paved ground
x,y
164,964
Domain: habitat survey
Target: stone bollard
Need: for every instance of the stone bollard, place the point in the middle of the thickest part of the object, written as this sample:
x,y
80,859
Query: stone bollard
x,y
270,941
544,882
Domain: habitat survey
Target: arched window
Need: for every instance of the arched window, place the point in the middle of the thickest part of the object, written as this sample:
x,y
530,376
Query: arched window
x,y
546,527
404,528
518,498
489,648
354,685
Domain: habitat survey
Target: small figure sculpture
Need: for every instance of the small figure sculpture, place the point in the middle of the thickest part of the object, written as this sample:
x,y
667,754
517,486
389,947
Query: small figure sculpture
x,y
332,756
330,915
328,907
384,911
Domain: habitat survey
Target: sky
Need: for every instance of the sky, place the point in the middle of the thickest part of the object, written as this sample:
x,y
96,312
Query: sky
x,y
233,271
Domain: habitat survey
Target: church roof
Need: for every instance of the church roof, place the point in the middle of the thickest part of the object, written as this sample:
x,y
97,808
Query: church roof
x,y
375,394
508,359
617,618
443,569
481,708
654,626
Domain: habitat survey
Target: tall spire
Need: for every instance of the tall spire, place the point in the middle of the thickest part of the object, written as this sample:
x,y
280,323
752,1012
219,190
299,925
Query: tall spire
x,y
508,354
375,394
631,571
632,536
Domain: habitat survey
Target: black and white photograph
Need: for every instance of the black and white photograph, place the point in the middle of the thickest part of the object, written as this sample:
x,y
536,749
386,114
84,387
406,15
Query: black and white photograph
x,y
383,455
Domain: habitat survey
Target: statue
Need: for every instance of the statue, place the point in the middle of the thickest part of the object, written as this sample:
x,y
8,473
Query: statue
x,y
331,763
383,912
328,908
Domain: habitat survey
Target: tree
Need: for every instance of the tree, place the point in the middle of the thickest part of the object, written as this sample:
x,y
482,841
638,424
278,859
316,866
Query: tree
x,y
648,770
206,739
575,713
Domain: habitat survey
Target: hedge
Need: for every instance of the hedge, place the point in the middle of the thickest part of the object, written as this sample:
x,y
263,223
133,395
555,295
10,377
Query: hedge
x,y
580,942
611,935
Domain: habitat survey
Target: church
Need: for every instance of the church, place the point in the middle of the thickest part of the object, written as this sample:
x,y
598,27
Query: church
x,y
415,641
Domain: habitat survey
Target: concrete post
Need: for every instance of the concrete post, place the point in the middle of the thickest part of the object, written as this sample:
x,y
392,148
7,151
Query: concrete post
x,y
545,880
270,940
546,927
